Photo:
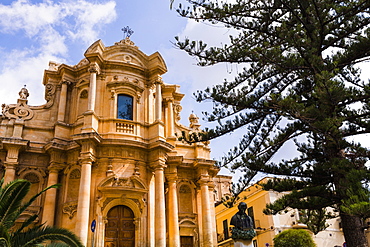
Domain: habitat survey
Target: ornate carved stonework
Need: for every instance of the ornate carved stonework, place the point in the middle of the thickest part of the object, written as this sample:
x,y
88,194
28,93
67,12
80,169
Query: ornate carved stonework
x,y
177,109
49,92
108,200
83,62
53,66
126,41
70,208
19,111
126,182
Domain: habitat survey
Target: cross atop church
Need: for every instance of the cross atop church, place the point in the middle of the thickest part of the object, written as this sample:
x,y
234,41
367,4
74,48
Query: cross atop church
x,y
127,32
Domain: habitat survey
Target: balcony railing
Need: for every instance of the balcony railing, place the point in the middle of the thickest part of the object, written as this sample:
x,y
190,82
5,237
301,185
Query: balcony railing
x,y
127,128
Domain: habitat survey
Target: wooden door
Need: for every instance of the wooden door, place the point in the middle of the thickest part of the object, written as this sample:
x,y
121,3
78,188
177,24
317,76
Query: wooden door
x,y
186,241
120,228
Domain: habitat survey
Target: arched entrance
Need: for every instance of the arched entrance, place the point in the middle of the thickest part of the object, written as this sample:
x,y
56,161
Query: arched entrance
x,y
120,228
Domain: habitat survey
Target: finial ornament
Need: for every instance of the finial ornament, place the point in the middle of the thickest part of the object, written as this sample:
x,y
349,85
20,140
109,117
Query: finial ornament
x,y
127,32
24,93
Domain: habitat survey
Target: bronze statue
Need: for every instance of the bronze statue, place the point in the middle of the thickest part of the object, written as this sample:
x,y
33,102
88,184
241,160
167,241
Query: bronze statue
x,y
243,224
241,220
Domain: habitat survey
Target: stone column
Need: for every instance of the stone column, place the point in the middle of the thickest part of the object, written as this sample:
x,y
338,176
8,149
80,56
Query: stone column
x,y
173,213
83,207
160,207
50,198
62,102
170,118
206,213
9,172
94,69
11,163
211,187
158,99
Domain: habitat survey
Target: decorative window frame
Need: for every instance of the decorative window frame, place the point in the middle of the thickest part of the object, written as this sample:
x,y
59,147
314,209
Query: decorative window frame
x,y
129,92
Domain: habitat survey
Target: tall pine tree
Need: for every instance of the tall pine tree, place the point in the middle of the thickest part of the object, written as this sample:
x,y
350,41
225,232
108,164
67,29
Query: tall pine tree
x,y
300,84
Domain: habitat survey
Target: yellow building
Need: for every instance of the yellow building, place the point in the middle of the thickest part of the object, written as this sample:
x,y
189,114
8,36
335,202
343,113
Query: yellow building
x,y
268,226
107,134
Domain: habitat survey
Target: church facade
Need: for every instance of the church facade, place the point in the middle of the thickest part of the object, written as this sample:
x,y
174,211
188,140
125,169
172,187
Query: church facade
x,y
107,134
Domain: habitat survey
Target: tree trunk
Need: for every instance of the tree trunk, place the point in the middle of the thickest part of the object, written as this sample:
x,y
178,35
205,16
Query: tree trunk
x,y
353,231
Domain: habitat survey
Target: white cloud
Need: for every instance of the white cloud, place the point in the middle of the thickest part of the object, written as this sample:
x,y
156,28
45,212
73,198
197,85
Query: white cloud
x,y
90,18
85,18
48,25
28,17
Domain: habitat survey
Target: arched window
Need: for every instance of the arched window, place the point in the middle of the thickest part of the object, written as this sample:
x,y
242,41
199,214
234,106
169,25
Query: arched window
x,y
125,107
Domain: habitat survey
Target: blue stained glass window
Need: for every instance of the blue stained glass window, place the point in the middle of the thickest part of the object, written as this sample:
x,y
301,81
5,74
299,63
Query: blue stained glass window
x,y
125,107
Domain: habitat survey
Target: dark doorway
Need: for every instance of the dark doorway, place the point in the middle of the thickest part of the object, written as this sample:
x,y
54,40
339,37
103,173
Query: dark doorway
x,y
186,241
120,228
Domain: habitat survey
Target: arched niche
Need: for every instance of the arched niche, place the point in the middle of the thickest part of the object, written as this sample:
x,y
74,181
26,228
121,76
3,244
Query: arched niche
x,y
37,184
186,197
82,101
71,191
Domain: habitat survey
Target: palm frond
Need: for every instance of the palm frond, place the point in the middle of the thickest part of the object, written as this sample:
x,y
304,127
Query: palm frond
x,y
27,204
35,236
11,201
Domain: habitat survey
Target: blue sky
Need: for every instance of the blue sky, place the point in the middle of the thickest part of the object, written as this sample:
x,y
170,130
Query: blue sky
x,y
34,32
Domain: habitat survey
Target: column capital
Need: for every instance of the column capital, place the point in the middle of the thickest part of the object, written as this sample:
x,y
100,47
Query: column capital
x,y
211,185
158,166
55,167
203,180
168,99
86,160
94,68
172,178
65,82
157,80
10,165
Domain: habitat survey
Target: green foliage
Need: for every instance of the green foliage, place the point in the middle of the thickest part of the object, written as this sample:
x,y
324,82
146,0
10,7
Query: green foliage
x,y
300,84
236,189
316,219
13,234
294,238
238,234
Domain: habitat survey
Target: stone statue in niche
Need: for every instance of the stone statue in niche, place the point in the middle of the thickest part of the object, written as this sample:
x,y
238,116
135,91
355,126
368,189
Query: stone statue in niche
x,y
243,224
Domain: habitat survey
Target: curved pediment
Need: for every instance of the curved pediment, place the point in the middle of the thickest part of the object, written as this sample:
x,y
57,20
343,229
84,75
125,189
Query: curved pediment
x,y
127,53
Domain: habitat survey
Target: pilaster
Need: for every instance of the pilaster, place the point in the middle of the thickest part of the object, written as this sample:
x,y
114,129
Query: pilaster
x,y
173,218
13,146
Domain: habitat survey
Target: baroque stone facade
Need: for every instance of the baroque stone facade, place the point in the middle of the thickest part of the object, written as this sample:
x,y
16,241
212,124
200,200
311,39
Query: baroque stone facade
x,y
107,134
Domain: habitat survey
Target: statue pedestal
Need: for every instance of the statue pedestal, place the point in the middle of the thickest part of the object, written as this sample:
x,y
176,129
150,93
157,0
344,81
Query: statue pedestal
x,y
243,243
